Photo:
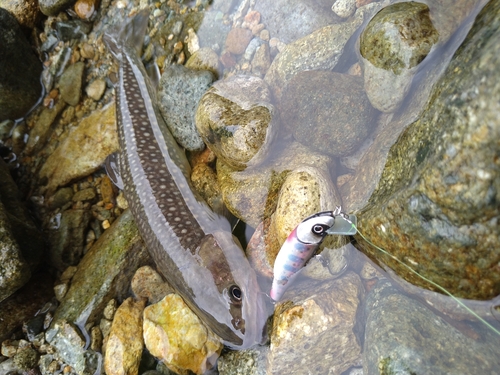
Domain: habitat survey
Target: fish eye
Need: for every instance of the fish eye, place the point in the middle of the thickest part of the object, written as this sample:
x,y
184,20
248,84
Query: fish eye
x,y
318,229
235,293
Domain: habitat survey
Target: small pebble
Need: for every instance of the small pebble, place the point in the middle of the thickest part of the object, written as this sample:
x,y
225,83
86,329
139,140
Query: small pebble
x,y
85,8
60,291
105,224
178,47
110,309
87,51
237,40
252,18
9,348
96,88
193,42
68,273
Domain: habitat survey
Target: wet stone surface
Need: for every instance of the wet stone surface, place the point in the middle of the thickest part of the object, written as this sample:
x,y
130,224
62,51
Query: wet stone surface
x,y
179,92
335,118
20,70
403,336
442,176
392,45
318,328
236,120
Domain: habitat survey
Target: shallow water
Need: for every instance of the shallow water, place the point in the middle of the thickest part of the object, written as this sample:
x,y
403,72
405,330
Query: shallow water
x,y
443,308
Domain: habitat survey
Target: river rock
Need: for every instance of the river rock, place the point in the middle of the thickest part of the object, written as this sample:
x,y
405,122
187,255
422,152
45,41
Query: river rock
x,y
24,303
204,181
237,40
237,121
104,272
289,20
96,88
179,92
43,128
148,284
20,70
319,50
67,234
392,45
243,362
176,336
125,342
344,8
334,117
305,191
317,327
436,198
27,12
21,242
402,336
52,7
84,150
69,345
205,59
70,83
251,195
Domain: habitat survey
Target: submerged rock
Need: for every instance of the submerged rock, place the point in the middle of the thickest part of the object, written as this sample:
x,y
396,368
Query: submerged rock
x,y
70,83
179,92
436,205
392,45
403,336
237,120
319,50
84,150
27,12
125,342
334,117
243,362
317,328
105,272
24,304
67,237
175,335
289,20
20,70
21,244
251,195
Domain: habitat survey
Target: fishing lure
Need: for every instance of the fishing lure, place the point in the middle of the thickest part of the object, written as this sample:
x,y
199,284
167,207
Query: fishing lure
x,y
303,242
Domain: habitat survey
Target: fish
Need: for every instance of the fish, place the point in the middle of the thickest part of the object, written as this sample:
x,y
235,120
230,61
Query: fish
x,y
192,246
297,249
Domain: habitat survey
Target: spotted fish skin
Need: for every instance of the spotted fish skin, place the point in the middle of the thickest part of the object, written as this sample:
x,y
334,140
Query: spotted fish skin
x,y
191,246
297,249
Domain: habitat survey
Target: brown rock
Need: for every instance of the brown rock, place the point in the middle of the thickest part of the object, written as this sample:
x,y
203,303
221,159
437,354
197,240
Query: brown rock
x,y
147,283
176,336
27,12
237,40
86,8
125,343
318,325
84,150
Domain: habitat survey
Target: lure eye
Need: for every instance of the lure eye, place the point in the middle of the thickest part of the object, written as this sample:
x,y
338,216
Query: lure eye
x,y
318,229
235,293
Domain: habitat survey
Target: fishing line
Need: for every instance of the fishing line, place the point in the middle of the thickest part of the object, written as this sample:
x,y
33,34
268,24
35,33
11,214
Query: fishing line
x,y
444,290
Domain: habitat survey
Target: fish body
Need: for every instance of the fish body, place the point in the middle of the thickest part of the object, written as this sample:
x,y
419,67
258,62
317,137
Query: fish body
x,y
191,246
297,249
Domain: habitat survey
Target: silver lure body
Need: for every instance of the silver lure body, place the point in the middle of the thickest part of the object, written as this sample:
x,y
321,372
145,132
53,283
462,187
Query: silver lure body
x,y
191,246
297,249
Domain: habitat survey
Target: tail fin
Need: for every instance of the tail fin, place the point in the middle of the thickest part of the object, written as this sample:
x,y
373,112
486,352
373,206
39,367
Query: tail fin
x,y
130,35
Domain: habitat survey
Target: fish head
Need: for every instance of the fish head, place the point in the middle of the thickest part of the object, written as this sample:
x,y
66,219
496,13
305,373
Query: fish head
x,y
237,312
